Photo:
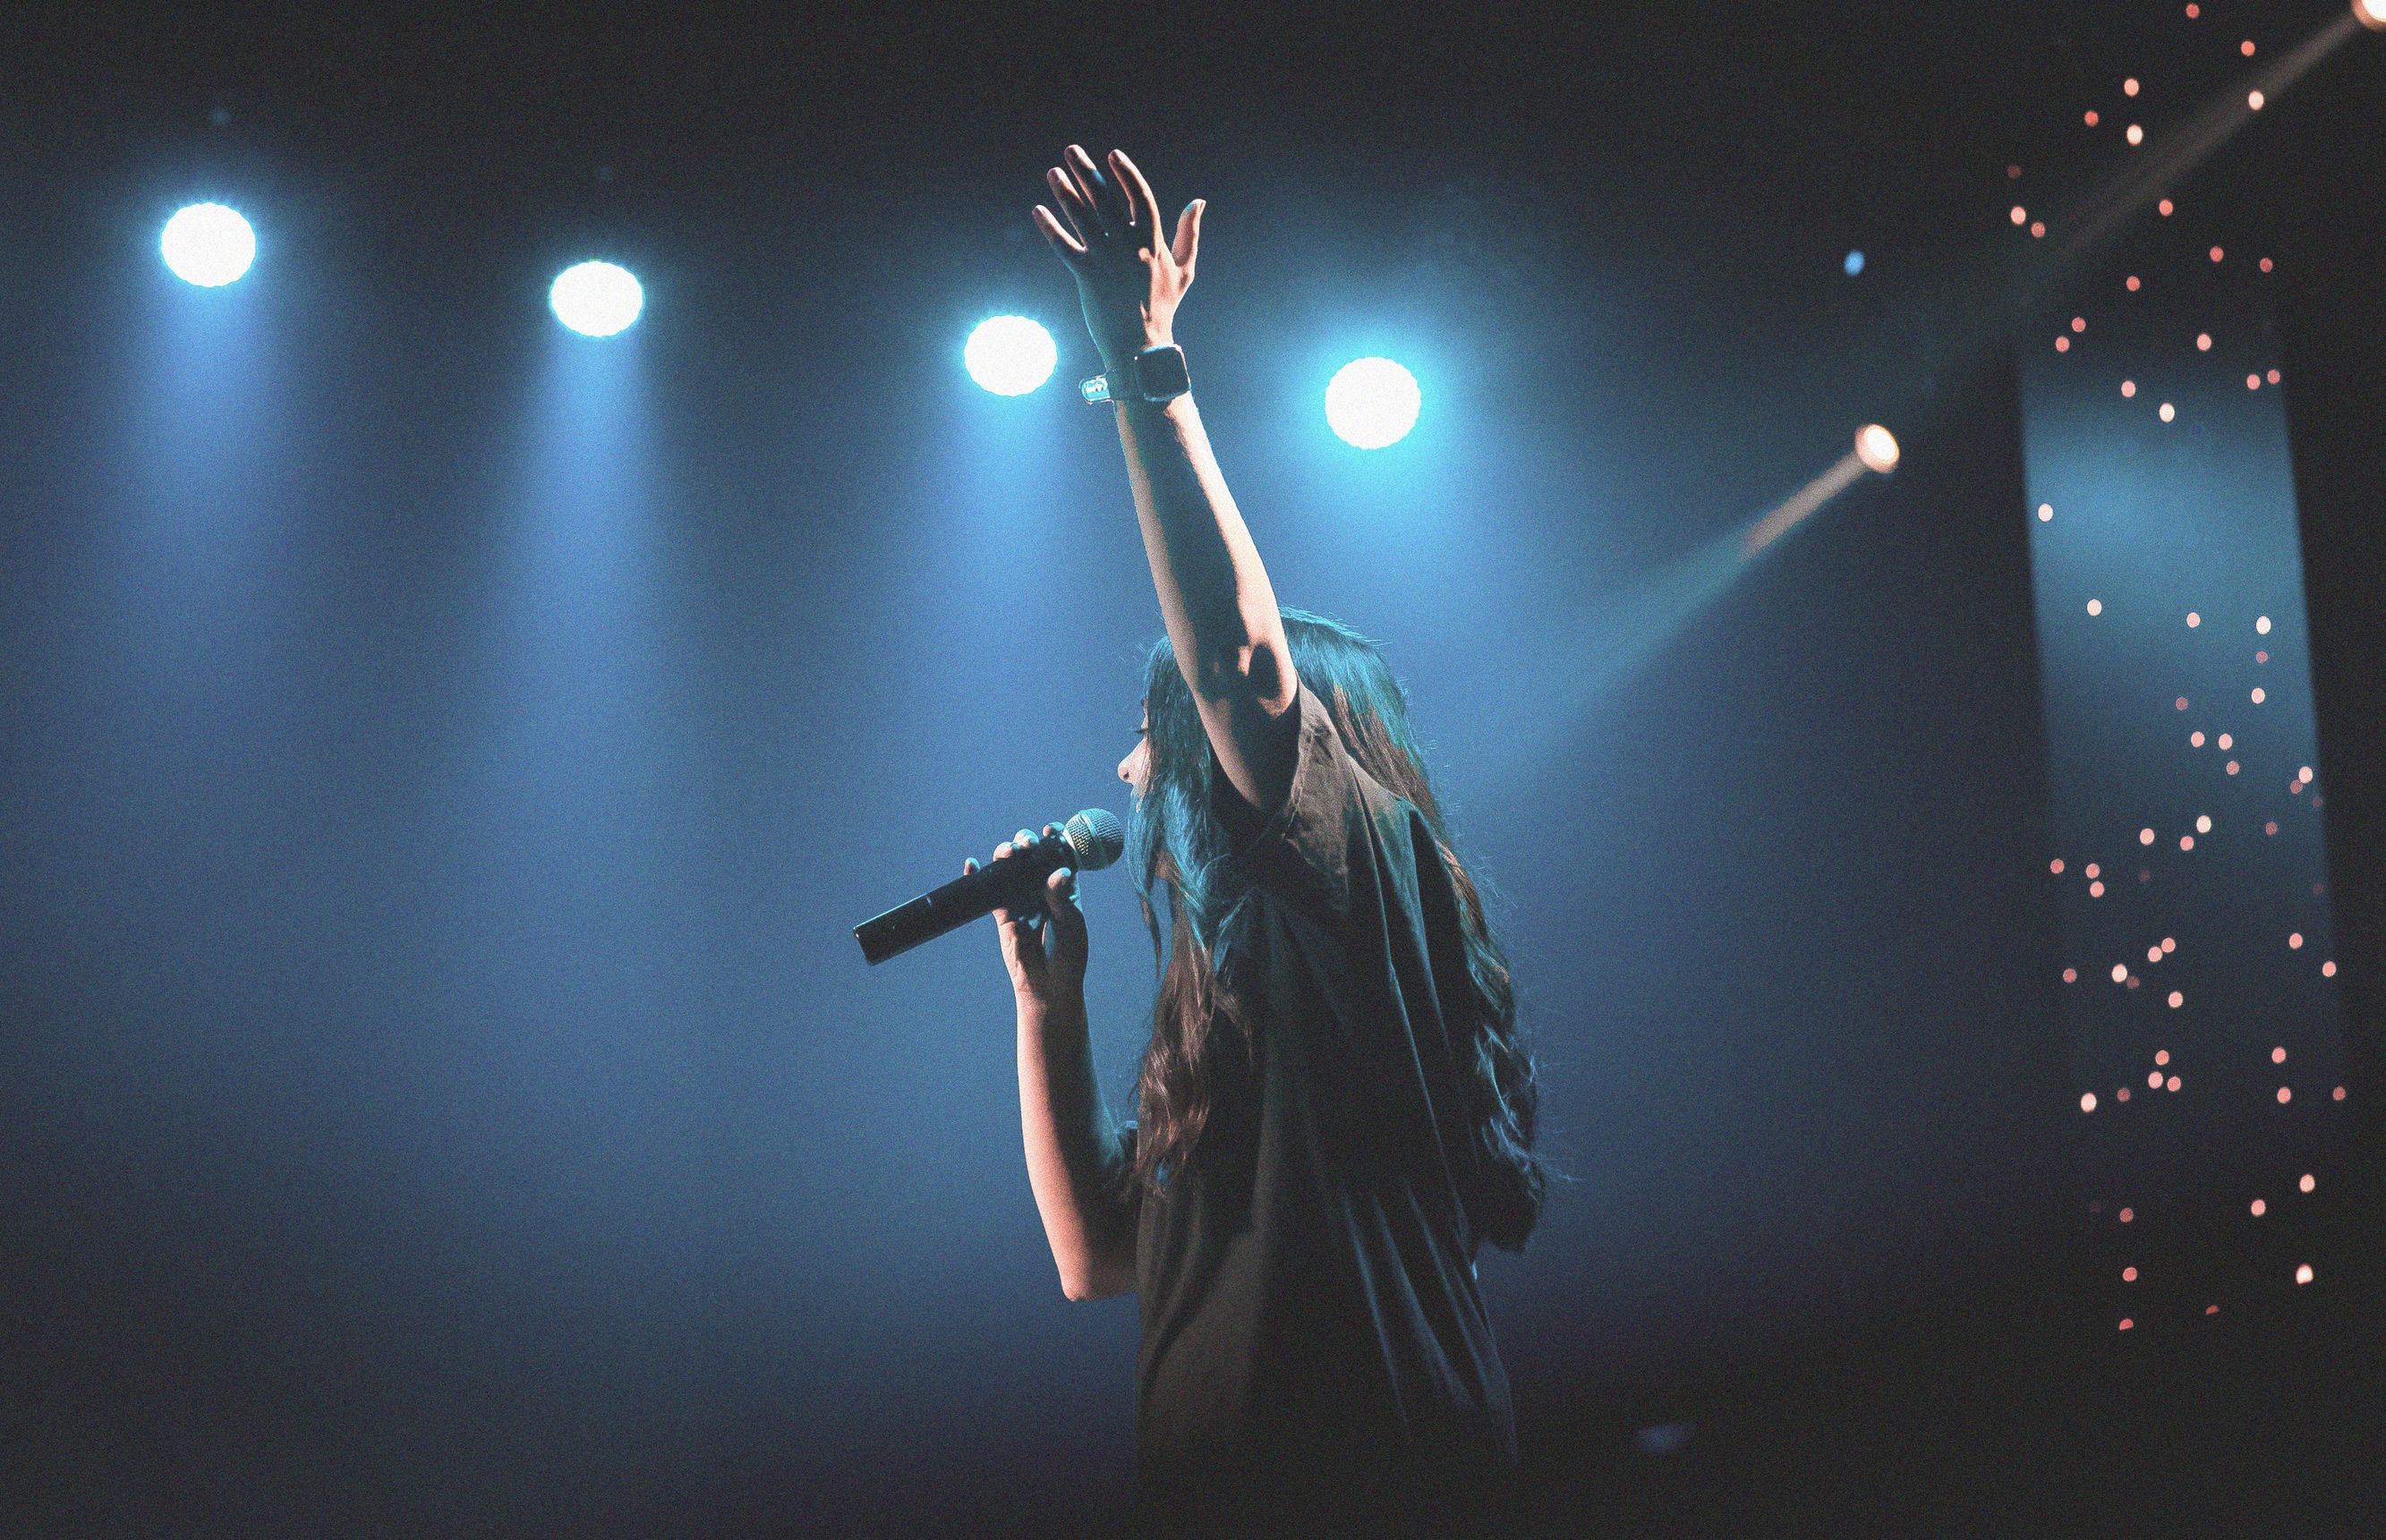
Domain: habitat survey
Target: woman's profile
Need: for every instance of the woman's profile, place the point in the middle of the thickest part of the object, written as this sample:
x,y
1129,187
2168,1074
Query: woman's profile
x,y
1335,1108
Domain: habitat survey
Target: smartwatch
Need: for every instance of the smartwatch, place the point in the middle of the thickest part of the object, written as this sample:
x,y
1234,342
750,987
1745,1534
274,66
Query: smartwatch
x,y
1155,374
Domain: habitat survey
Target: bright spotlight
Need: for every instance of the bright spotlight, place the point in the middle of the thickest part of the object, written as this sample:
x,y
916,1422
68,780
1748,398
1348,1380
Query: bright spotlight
x,y
1877,449
2372,14
1371,403
207,245
1010,355
596,299
1853,265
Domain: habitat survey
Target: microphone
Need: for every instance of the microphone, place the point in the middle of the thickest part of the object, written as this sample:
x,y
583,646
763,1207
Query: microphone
x,y
1087,843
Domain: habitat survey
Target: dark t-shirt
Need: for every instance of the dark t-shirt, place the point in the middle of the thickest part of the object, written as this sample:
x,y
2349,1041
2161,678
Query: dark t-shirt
x,y
1315,1352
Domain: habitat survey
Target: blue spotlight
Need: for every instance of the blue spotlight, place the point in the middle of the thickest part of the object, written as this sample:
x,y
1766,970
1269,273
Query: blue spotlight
x,y
1854,263
1371,403
596,299
207,245
1010,355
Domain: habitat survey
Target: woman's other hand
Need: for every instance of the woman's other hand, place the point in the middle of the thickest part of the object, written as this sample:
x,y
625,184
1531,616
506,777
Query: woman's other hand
x,y
1044,948
1107,229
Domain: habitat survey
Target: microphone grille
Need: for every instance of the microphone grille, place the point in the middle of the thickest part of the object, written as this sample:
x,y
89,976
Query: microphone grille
x,y
1094,839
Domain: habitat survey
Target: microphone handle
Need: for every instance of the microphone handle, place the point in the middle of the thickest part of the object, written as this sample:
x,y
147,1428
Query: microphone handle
x,y
998,884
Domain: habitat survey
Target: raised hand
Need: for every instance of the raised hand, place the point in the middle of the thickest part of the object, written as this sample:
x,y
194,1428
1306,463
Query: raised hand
x,y
1129,280
1045,978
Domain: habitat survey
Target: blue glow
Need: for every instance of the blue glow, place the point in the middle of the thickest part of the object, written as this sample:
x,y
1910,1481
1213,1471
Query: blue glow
x,y
1854,263
596,299
1010,355
1371,403
207,245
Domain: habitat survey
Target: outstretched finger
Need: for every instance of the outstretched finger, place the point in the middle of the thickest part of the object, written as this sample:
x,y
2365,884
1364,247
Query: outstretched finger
x,y
1138,192
1069,247
1108,200
1188,237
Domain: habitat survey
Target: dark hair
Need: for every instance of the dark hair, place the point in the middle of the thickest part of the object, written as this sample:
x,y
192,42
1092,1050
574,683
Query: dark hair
x,y
1176,840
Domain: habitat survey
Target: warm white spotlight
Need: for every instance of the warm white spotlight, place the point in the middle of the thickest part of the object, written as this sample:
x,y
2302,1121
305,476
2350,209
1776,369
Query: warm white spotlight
x,y
1877,448
1010,355
207,245
596,299
2372,14
1371,403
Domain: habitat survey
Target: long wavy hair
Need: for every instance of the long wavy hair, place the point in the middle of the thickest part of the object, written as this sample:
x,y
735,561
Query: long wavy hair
x,y
1176,841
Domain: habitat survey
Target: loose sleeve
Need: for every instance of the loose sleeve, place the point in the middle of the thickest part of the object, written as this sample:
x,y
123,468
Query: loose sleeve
x,y
1302,853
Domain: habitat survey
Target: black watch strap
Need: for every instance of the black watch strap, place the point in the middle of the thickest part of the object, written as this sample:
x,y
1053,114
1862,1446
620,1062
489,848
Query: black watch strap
x,y
1157,374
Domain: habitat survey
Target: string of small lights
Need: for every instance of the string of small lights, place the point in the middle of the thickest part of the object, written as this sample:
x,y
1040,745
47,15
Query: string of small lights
x,y
2199,990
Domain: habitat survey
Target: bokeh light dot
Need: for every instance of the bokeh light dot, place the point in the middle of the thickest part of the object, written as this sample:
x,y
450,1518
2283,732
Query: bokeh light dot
x,y
2062,345
2285,1095
2227,741
2203,341
2294,941
2306,1183
2145,836
2164,207
2262,625
2095,606
2137,135
2095,890
2256,100
2260,1208
2328,969
2128,388
2258,697
2303,1273
2176,999
2187,842
2088,1101
2203,823
2128,1214
2279,1055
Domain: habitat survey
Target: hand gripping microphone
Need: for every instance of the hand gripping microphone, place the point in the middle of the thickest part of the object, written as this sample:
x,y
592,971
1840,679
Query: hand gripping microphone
x,y
1090,841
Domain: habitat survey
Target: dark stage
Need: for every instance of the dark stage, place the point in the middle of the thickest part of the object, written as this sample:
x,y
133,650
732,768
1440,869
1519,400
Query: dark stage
x,y
447,755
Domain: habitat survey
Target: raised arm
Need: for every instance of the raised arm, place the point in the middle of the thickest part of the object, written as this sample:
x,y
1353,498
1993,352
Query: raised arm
x,y
1214,594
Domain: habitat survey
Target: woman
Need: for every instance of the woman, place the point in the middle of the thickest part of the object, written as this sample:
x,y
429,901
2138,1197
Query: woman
x,y
1335,1107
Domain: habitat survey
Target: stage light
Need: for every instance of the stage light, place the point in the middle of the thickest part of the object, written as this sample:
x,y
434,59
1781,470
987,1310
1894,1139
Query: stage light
x,y
596,299
1371,403
1010,355
2371,13
1877,449
207,245
1854,263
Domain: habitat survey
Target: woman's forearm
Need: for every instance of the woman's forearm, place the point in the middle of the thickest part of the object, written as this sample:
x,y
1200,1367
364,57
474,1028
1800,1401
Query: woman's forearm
x,y
1214,593
1076,1157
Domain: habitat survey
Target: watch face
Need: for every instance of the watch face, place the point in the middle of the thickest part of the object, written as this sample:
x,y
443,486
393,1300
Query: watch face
x,y
1159,373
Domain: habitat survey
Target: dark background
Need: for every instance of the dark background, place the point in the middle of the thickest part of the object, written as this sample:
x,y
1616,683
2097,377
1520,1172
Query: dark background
x,y
444,760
